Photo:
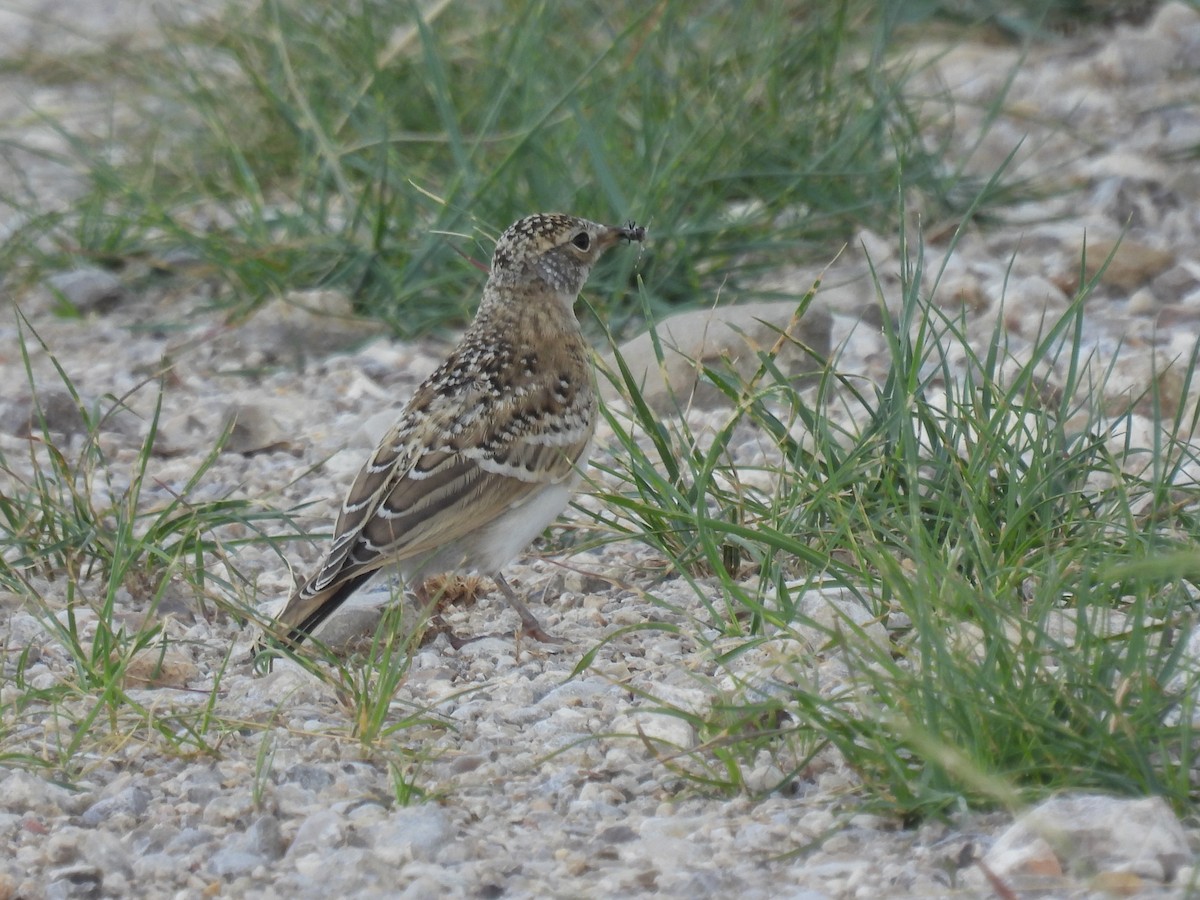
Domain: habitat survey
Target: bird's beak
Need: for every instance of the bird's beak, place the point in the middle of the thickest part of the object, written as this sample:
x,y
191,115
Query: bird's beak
x,y
631,231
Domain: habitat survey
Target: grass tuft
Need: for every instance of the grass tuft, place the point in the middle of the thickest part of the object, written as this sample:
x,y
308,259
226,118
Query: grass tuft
x,y
969,583
290,145
1004,571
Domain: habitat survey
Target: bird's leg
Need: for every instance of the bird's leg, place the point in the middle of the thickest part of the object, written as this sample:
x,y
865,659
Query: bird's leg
x,y
427,603
529,623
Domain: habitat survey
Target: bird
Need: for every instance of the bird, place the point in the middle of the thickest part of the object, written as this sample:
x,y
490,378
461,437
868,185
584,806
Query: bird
x,y
490,447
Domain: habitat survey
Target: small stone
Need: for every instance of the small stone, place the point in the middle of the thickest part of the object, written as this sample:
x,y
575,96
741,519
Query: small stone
x,y
1118,884
88,289
229,862
264,838
960,289
1132,263
302,326
369,433
1132,59
1093,833
186,840
724,338
355,622
106,852
201,787
835,611
153,667
64,845
467,763
880,251
252,428
1178,23
227,808
1176,282
27,794
132,801
1176,315
415,833
71,882
1033,858
658,728
155,867
318,833
54,411
310,777
1033,295
617,834
764,778
1143,303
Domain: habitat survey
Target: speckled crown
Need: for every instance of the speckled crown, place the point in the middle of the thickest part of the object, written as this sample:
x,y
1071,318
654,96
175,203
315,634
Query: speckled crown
x,y
531,236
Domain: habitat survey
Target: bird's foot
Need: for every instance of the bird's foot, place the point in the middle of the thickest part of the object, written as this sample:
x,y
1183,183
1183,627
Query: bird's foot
x,y
530,626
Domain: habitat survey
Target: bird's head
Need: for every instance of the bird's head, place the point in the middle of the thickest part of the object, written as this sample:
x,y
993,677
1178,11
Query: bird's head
x,y
555,250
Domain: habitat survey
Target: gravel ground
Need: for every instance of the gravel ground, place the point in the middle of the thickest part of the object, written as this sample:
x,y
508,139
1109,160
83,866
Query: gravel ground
x,y
537,787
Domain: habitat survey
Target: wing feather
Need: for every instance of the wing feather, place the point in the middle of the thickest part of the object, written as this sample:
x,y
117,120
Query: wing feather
x,y
449,467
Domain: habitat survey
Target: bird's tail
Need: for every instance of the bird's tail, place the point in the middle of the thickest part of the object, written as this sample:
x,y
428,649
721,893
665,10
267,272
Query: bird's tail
x,y
304,611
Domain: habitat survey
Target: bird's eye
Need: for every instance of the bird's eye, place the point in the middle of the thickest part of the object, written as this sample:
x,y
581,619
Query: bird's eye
x,y
582,240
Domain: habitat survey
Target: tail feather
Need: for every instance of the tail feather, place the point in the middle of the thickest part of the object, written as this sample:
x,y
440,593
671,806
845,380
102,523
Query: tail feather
x,y
313,611
322,605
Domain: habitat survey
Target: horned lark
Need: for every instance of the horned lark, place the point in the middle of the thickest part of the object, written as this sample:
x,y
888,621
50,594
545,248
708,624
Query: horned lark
x,y
487,452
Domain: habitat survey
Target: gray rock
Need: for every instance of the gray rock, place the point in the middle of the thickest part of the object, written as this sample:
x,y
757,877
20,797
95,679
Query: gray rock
x,y
415,833
321,832
729,338
132,801
1176,282
74,883
159,868
826,612
65,845
1083,834
58,412
617,834
425,887
354,623
23,792
87,289
264,838
53,410
106,851
152,838
310,777
187,839
253,429
229,862
226,808
295,329
243,852
201,786
1127,264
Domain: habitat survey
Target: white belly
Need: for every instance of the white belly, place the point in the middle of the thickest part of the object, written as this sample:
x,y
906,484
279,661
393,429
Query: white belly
x,y
490,548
